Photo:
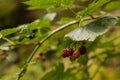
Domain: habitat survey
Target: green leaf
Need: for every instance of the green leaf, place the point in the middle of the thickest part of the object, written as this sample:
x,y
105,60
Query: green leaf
x,y
113,5
37,24
92,30
41,4
83,60
106,44
66,19
44,23
33,31
42,26
7,32
92,7
55,74
118,23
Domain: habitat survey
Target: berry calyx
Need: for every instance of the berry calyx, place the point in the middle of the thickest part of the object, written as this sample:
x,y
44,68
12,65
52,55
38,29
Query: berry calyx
x,y
72,58
82,50
83,42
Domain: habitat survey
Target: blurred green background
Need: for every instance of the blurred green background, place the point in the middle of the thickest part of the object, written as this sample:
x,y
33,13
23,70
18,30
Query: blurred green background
x,y
103,62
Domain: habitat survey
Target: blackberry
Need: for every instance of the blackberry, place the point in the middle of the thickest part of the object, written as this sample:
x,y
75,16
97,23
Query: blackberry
x,y
67,52
70,51
76,54
82,50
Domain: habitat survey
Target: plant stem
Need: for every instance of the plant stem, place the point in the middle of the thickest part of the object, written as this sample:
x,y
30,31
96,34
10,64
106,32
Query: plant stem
x,y
11,42
49,35
24,68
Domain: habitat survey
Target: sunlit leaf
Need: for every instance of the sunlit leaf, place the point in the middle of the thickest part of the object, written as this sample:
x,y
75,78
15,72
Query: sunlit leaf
x,y
8,31
92,30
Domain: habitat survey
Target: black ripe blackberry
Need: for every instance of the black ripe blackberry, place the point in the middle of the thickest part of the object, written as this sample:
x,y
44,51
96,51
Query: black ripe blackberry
x,y
82,50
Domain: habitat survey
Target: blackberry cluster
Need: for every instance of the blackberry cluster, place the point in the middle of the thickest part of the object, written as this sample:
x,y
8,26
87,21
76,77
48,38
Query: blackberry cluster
x,y
69,52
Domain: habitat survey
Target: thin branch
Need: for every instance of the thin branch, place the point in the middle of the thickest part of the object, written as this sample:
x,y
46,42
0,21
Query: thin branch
x,y
24,68
52,33
8,40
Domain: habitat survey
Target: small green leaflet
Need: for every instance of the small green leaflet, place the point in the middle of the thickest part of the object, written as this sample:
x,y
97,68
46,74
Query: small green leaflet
x,y
7,32
41,4
92,30
92,7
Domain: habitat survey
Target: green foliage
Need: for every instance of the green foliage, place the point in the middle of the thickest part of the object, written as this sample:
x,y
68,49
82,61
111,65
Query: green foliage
x,y
83,60
58,73
66,20
113,5
39,24
93,7
92,30
7,32
118,21
106,44
40,4
23,42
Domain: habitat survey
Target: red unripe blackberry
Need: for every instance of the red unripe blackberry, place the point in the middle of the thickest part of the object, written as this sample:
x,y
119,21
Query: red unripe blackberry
x,y
82,50
76,54
67,52
70,51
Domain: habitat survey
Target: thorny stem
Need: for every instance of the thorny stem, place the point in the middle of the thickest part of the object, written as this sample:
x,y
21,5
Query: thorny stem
x,y
24,68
